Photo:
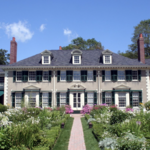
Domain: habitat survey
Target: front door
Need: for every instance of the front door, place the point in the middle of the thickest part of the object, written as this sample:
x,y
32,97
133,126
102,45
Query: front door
x,y
76,101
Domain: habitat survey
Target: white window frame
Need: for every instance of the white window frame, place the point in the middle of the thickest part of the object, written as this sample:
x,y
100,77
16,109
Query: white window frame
x,y
122,96
17,76
79,75
121,75
107,75
104,60
17,99
108,98
29,77
63,73
135,95
90,75
32,95
74,59
49,60
44,94
64,98
134,75
47,76
90,96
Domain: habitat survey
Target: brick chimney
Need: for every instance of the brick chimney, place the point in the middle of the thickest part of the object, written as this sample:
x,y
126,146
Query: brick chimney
x,y
13,51
60,48
141,51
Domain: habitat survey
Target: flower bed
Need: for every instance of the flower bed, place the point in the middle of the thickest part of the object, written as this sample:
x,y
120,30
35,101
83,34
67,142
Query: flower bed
x,y
120,130
31,128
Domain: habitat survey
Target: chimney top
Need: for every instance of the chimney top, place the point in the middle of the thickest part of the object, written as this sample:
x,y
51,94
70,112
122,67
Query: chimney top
x,y
140,35
13,38
60,48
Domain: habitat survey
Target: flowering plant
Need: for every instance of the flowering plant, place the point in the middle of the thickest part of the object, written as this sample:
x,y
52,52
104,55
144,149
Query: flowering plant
x,y
68,109
129,109
86,109
49,108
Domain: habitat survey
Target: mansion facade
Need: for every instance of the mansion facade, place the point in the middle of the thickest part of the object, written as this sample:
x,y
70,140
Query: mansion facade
x,y
77,77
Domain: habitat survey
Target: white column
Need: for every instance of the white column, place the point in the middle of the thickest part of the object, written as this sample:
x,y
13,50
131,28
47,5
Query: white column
x,y
54,90
99,101
116,99
6,89
147,86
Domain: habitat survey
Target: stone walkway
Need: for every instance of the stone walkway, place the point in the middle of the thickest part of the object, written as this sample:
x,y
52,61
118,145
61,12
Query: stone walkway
x,y
76,141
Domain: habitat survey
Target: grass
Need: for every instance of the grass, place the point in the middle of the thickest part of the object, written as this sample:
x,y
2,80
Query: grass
x,y
63,140
90,141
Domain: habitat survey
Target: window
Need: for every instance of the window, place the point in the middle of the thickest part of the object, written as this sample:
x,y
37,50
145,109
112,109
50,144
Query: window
x,y
121,75
76,59
19,76
107,76
32,99
18,100
62,99
76,75
32,75
45,75
134,75
1,79
46,59
135,99
63,75
90,75
107,59
108,99
90,99
45,100
122,99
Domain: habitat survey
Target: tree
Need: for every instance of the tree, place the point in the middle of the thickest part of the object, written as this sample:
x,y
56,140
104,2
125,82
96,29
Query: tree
x,y
4,57
80,43
129,54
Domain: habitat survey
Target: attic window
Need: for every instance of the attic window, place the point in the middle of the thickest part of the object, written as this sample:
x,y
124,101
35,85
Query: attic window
x,y
46,57
76,59
107,59
76,56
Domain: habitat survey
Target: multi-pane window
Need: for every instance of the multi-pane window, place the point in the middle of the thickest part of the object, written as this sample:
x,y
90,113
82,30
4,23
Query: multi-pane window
x,y
32,99
45,75
121,75
135,99
46,59
18,100
1,79
62,99
76,75
107,75
108,98
32,76
19,76
76,59
122,99
90,99
90,75
44,99
134,75
63,75
107,59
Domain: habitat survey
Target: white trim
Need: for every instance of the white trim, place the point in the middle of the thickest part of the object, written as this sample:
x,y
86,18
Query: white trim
x,y
48,60
147,86
79,59
6,88
104,62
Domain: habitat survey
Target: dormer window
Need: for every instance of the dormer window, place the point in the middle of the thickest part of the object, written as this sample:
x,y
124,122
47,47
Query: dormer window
x,y
76,56
46,57
107,57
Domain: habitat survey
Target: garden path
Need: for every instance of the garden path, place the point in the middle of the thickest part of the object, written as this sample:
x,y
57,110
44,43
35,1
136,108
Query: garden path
x,y
76,141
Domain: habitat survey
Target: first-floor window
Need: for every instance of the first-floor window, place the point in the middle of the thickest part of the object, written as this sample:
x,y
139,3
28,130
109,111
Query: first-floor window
x,y
107,75
32,75
45,100
108,98
45,75
90,75
121,75
18,100
32,99
122,99
76,75
63,75
90,99
135,99
62,99
19,76
134,75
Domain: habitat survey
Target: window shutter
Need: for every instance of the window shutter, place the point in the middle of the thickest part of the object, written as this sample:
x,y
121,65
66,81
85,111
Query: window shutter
x,y
83,75
67,98
14,76
103,97
95,98
58,99
40,100
49,76
140,96
85,98
128,75
103,75
13,99
22,97
39,76
58,76
24,76
114,75
50,99
94,75
69,74
113,97
131,99
139,75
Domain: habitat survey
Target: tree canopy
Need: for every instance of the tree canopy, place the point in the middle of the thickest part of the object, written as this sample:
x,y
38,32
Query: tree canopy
x,y
80,43
4,57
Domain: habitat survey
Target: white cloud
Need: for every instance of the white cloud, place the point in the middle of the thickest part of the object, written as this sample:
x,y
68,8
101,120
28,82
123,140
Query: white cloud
x,y
67,32
19,31
42,27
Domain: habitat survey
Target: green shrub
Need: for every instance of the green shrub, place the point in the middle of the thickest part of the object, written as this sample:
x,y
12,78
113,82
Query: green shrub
x,y
147,105
3,108
87,116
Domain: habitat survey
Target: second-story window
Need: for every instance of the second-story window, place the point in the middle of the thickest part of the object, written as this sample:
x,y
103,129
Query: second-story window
x,y
107,75
134,75
121,75
107,59
90,75
45,75
32,75
1,79
76,59
63,75
76,75
19,76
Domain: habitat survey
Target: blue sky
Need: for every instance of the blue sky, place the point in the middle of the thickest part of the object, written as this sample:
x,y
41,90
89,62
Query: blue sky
x,y
48,24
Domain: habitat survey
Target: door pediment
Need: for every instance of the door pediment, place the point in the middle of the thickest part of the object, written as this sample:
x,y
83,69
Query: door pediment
x,y
122,87
31,87
77,87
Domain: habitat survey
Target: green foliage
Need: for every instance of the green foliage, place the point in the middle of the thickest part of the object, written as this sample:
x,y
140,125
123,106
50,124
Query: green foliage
x,y
3,108
87,116
80,43
147,105
129,54
4,57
